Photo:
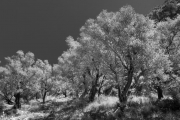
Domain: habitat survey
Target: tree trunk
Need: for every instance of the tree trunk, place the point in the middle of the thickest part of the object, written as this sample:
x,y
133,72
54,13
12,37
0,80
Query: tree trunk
x,y
123,95
85,87
94,88
100,87
65,93
93,92
99,90
128,84
17,96
119,93
36,96
44,96
159,91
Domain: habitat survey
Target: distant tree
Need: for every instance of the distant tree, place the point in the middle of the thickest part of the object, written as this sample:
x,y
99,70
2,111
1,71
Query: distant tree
x,y
45,77
71,68
169,32
91,54
6,88
17,75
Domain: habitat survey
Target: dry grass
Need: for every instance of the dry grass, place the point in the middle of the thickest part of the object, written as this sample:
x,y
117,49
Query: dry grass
x,y
58,108
102,102
138,99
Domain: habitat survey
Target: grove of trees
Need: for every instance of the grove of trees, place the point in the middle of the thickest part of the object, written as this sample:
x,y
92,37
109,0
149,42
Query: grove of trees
x,y
118,53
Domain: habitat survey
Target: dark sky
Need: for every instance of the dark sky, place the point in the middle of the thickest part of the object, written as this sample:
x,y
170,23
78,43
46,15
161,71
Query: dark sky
x,y
41,26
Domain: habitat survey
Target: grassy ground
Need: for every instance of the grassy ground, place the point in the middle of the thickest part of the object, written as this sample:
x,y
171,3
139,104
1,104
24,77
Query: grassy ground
x,y
54,108
103,108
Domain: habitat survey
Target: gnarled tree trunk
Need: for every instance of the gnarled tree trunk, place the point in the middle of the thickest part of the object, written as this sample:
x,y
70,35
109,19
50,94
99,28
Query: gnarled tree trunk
x,y
44,96
94,90
85,87
159,92
17,96
100,86
129,81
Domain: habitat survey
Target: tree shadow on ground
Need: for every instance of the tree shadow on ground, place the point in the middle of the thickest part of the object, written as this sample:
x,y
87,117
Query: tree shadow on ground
x,y
64,110
69,110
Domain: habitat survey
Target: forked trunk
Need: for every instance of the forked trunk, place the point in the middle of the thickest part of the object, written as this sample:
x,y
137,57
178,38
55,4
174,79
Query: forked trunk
x,y
93,90
129,81
100,87
123,95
